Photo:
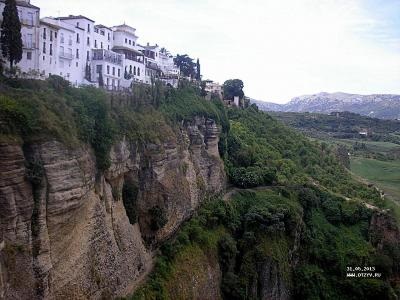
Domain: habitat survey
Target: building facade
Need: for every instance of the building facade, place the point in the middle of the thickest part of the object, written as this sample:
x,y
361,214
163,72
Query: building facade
x,y
29,16
85,53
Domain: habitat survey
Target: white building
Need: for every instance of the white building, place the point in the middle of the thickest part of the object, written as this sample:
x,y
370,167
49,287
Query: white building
x,y
213,88
29,17
79,50
125,42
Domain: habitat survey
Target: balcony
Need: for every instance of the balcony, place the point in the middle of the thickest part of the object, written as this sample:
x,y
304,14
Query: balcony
x,y
27,22
29,45
106,55
66,55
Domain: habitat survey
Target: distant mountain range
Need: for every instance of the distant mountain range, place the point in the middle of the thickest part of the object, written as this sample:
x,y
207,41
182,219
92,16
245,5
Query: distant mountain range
x,y
383,106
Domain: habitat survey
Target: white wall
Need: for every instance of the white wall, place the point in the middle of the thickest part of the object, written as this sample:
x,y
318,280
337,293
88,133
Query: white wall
x,y
29,18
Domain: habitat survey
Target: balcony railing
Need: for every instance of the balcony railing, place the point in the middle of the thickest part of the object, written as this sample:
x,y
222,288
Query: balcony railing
x,y
66,55
27,22
106,55
30,45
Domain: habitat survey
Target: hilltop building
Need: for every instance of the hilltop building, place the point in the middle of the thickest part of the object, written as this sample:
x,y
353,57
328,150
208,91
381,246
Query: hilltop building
x,y
30,25
213,88
82,52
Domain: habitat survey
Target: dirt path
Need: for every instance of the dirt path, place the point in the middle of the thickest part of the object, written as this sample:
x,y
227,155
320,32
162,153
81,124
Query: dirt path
x,y
231,191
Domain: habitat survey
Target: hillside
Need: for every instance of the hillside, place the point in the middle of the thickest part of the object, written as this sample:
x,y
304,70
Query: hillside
x,y
343,125
104,195
374,155
383,106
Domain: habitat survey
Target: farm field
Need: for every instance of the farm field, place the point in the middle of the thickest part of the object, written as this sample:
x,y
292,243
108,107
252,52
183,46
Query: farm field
x,y
384,174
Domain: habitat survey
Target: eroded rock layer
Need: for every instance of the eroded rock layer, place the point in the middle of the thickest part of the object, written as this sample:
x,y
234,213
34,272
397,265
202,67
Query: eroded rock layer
x,y
67,233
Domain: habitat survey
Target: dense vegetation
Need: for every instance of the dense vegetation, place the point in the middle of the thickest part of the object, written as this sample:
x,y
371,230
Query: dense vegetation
x,y
257,232
33,110
303,195
263,151
374,157
298,210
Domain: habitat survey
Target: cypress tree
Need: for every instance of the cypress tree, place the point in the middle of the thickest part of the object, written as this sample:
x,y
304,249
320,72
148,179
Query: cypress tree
x,y
10,39
198,74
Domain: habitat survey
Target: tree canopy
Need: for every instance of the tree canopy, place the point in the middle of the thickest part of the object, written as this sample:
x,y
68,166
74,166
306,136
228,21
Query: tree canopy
x,y
10,39
233,87
186,64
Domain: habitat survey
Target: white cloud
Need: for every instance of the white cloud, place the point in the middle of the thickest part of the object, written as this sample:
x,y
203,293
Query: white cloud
x,y
280,48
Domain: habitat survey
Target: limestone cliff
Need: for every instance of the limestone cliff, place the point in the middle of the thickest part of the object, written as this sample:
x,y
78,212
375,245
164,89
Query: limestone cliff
x,y
64,229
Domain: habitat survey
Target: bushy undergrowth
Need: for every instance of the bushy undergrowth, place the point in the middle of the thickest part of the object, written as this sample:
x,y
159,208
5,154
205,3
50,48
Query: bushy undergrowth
x,y
41,110
258,229
262,151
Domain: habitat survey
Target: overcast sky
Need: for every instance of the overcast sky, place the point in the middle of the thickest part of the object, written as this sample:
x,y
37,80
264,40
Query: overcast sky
x,y
279,48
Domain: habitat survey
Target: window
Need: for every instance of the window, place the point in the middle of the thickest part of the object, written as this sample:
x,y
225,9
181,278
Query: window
x,y
133,43
88,41
77,53
99,68
108,69
95,43
138,71
130,42
77,64
134,70
29,41
102,32
130,69
88,27
51,35
51,49
108,36
44,47
44,33
77,38
113,71
126,41
101,45
87,55
29,55
55,34
108,81
70,41
119,72
44,58
30,19
62,38
108,47
77,24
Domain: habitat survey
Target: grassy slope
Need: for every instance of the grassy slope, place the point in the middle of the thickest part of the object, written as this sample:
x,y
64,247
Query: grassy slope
x,y
386,174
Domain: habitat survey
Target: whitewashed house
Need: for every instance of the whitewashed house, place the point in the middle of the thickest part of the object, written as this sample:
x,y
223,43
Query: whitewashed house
x,y
77,49
125,42
214,88
29,17
48,53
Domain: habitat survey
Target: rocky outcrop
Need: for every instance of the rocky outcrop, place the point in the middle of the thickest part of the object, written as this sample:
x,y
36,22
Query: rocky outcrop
x,y
63,223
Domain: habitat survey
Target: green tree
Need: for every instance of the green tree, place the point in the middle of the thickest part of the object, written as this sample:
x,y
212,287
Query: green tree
x,y
11,41
101,80
198,73
233,87
88,72
186,65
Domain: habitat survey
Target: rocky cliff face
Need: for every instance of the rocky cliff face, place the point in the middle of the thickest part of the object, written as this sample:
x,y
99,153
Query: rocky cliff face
x,y
64,225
